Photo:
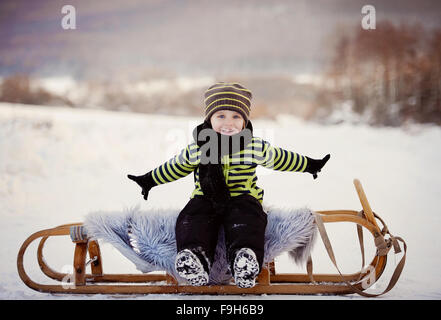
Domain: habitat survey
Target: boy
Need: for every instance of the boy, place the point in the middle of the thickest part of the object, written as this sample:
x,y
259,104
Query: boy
x,y
224,157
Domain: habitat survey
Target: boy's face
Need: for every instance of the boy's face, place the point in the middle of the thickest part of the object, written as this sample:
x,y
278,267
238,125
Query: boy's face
x,y
227,122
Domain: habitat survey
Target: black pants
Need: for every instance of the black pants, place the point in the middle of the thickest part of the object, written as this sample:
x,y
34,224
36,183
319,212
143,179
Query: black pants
x,y
244,223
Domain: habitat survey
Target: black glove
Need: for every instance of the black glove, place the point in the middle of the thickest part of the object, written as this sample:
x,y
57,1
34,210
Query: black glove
x,y
146,182
314,166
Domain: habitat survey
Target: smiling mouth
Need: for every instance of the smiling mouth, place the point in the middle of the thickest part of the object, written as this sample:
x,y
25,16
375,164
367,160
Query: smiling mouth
x,y
229,131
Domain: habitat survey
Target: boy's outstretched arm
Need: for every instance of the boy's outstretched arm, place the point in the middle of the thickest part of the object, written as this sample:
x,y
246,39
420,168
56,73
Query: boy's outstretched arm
x,y
177,167
282,160
314,166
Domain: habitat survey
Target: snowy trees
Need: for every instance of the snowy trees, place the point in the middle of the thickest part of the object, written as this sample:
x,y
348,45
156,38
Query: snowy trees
x,y
392,72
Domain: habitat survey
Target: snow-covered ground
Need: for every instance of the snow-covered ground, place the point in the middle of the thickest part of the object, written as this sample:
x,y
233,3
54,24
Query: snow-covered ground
x,y
58,164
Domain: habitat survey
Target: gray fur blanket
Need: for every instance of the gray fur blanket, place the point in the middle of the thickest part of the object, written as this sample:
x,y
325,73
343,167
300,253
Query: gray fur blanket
x,y
288,230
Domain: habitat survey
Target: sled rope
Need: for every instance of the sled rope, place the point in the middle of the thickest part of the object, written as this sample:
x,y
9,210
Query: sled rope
x,y
309,269
360,239
309,264
383,247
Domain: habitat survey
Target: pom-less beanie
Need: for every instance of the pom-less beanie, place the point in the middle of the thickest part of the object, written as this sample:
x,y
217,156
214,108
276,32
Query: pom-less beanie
x,y
228,96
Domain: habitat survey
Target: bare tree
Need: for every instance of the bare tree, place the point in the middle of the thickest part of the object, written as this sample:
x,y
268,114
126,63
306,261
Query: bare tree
x,y
392,72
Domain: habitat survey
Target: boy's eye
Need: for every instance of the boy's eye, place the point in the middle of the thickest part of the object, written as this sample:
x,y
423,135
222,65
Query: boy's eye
x,y
221,116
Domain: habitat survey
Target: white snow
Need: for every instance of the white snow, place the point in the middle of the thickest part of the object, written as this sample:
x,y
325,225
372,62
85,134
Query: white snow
x,y
58,164
57,85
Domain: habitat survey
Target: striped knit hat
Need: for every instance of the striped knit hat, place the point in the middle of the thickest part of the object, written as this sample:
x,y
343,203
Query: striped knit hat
x,y
228,96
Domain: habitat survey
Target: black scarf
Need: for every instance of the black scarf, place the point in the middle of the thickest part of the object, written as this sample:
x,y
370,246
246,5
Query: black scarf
x,y
211,176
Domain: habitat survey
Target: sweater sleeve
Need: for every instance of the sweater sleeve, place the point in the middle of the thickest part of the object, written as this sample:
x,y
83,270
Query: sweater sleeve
x,y
282,160
179,166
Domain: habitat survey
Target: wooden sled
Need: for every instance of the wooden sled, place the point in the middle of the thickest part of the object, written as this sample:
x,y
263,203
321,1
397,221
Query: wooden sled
x,y
268,282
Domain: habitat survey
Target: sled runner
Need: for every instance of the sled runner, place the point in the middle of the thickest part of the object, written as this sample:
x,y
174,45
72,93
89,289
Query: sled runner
x,y
87,255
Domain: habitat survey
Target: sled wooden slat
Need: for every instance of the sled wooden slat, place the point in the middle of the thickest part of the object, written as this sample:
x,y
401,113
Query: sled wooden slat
x,y
95,253
264,277
128,278
80,263
365,203
42,263
350,218
378,264
268,281
97,275
215,290
331,212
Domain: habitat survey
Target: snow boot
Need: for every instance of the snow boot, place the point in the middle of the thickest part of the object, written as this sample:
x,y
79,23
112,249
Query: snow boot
x,y
190,267
246,268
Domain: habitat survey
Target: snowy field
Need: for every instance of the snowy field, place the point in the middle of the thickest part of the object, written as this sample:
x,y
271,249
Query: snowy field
x,y
59,164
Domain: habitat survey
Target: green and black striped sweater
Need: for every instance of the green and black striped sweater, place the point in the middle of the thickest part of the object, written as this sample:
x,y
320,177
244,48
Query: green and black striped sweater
x,y
239,168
